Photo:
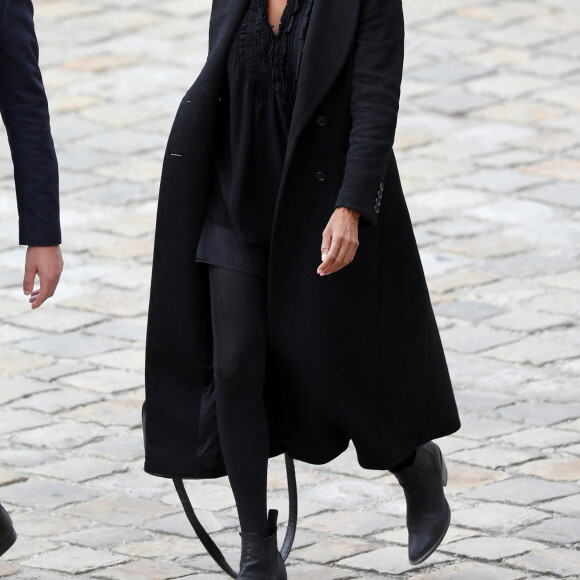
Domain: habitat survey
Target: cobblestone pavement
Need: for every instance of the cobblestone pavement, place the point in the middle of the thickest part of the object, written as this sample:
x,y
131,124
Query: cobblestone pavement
x,y
489,151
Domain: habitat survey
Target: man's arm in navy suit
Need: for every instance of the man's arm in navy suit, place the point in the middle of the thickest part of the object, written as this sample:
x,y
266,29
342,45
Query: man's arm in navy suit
x,y
24,110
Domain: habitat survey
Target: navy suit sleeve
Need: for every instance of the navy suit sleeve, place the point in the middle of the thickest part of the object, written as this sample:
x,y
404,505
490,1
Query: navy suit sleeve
x,y
24,110
376,88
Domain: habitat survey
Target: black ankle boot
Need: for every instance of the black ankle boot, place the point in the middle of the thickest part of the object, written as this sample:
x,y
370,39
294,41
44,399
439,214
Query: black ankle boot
x,y
261,559
428,513
7,533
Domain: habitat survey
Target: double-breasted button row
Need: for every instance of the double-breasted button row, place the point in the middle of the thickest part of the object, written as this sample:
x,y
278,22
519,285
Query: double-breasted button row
x,y
377,207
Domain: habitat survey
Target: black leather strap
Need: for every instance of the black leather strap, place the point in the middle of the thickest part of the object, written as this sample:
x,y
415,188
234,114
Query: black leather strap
x,y
210,545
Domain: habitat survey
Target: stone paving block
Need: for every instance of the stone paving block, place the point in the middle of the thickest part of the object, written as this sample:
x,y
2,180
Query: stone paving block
x,y
464,477
11,421
454,102
468,310
124,329
56,401
118,511
73,560
565,169
540,412
7,569
126,358
495,548
15,388
477,427
77,469
560,561
471,571
334,549
497,180
62,435
316,572
472,339
446,72
350,523
119,192
22,457
10,477
119,447
519,110
103,537
557,469
390,560
557,530
56,319
165,548
26,547
32,525
567,505
73,345
108,413
567,280
487,246
528,321
112,302
508,85
494,517
45,495
558,301
144,570
482,401
522,490
350,493
534,350
10,333
106,380
177,524
494,457
542,437
557,193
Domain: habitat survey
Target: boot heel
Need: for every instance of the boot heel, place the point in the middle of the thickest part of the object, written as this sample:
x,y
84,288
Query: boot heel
x,y
8,543
443,470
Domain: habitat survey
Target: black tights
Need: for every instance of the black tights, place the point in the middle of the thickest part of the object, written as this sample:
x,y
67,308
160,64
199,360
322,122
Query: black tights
x,y
238,313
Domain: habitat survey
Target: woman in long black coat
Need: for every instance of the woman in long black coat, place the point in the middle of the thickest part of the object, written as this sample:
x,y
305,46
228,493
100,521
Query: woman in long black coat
x,y
305,346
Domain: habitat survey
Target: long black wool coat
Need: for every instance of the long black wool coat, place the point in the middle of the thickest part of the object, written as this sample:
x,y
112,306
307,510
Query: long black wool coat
x,y
352,356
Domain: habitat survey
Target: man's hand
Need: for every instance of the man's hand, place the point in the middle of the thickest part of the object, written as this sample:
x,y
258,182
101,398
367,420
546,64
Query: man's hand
x,y
47,263
339,240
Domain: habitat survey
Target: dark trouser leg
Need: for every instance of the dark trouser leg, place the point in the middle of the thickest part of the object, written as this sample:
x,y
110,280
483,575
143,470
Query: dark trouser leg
x,y
238,310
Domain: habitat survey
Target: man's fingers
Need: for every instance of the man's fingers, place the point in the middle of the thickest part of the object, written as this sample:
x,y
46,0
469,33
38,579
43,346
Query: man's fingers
x,y
41,297
29,276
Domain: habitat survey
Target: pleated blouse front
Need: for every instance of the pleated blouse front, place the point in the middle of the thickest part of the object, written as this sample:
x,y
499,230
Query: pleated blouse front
x,y
253,126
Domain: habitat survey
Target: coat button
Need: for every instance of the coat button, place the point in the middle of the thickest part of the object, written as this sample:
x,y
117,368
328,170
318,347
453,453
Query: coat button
x,y
378,201
322,121
320,176
377,208
382,186
380,194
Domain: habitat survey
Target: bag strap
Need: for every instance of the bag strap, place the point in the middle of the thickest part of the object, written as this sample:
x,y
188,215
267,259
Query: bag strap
x,y
211,546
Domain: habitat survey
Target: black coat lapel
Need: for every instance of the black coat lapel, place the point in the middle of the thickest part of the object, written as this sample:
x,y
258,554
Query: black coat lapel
x,y
328,42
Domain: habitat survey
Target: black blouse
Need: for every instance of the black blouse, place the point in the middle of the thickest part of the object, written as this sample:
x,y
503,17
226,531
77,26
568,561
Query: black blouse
x,y
253,126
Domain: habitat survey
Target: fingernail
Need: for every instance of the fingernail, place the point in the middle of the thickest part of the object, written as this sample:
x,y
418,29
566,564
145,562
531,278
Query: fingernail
x,y
323,257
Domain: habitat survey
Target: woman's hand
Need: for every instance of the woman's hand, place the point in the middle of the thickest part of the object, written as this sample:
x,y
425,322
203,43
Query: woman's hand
x,y
339,240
